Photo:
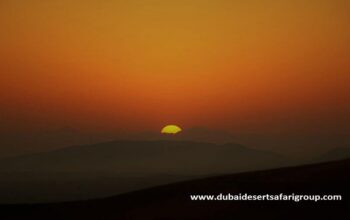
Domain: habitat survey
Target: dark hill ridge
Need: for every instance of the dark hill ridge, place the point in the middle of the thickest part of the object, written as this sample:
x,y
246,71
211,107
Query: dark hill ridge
x,y
169,157
105,169
172,201
335,154
195,134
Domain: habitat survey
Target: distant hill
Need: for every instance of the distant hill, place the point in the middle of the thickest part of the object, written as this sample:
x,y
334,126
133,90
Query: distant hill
x,y
13,144
335,154
99,170
148,157
195,134
173,201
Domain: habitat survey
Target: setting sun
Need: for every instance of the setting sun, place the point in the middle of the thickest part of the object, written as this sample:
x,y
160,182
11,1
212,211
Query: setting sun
x,y
171,129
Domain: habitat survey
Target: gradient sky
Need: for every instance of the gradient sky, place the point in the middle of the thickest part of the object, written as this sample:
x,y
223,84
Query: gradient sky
x,y
263,67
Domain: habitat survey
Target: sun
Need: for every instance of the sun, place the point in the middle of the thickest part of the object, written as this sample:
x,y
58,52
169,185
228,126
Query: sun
x,y
171,129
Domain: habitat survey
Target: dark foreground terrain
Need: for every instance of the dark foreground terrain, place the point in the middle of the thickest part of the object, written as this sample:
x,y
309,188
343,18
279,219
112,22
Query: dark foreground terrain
x,y
173,201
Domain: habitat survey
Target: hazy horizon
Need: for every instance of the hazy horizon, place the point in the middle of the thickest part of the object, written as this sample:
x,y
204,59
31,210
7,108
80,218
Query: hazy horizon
x,y
293,145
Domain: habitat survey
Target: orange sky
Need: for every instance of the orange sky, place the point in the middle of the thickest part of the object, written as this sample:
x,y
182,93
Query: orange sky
x,y
243,66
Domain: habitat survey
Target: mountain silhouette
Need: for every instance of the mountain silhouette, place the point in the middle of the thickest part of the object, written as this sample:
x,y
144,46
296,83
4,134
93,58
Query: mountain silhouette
x,y
335,154
175,157
46,140
196,134
120,166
